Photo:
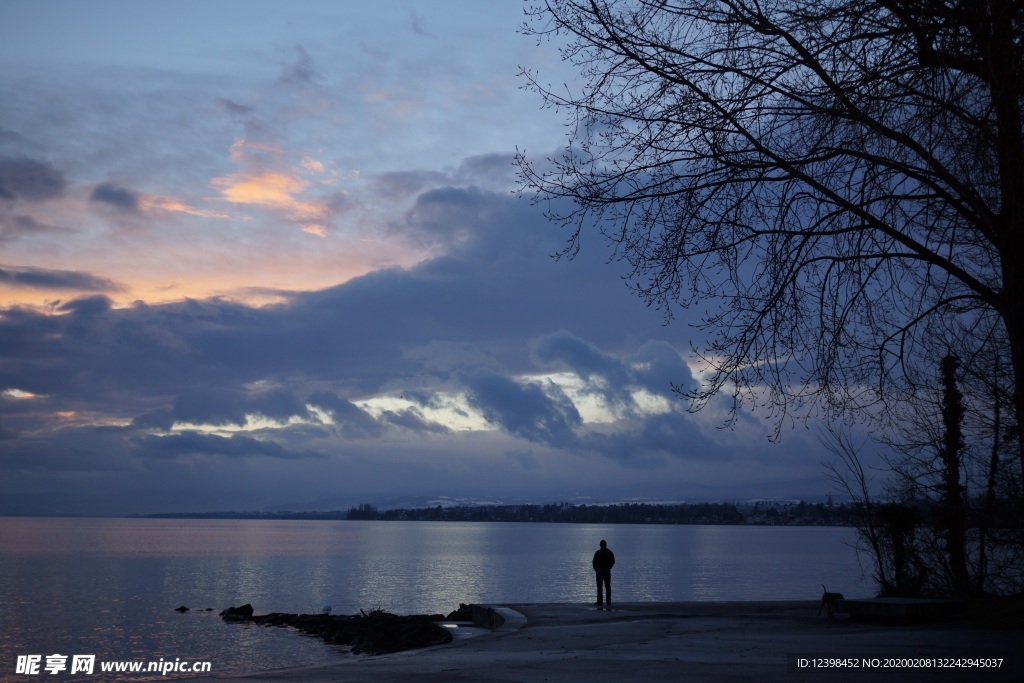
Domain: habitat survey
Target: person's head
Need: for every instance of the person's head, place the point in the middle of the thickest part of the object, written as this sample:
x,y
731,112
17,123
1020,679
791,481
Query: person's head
x,y
604,544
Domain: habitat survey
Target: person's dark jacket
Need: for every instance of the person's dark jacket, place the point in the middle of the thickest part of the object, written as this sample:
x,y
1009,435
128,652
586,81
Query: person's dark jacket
x,y
604,560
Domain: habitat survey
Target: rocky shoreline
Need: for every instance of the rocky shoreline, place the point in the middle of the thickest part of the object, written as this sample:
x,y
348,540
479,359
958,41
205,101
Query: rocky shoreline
x,y
375,632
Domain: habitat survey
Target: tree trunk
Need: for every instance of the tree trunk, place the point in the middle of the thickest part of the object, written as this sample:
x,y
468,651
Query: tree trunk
x,y
952,505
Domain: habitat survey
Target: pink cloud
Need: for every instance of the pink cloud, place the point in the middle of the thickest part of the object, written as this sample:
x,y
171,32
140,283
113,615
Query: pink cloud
x,y
266,181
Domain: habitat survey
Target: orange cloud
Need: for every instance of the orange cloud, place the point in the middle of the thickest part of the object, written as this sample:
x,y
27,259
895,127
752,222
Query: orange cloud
x,y
312,165
274,188
315,229
157,202
266,189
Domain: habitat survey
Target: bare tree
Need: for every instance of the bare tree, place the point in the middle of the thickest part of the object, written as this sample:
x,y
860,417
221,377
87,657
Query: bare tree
x,y
841,183
946,518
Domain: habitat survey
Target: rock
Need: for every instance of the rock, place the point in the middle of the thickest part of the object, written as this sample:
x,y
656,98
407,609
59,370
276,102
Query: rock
x,y
464,613
181,609
243,613
380,633
371,633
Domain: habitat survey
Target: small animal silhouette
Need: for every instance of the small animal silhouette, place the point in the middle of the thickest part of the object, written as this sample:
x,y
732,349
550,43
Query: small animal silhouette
x,y
829,600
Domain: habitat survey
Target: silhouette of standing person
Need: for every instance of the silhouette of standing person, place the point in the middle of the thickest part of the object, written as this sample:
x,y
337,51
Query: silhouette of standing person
x,y
604,560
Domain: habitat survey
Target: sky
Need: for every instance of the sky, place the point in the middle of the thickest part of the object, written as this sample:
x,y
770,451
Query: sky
x,y
263,255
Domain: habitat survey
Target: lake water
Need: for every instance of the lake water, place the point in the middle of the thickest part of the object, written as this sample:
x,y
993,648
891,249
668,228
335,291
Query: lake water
x,y
109,586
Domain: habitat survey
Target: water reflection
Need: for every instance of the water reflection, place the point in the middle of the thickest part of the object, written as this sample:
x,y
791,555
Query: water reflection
x,y
109,587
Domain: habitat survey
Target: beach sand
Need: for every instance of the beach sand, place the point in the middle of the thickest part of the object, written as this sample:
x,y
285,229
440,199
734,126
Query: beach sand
x,y
695,642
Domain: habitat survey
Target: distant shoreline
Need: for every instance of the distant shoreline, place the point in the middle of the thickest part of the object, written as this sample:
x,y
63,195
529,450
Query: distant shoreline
x,y
760,514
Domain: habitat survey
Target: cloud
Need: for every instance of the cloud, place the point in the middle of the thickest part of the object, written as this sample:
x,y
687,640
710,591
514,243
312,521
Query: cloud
x,y
651,379
494,171
404,185
154,419
241,111
245,114
491,333
444,359
302,71
63,448
266,181
412,419
7,135
447,216
417,23
234,446
265,188
14,227
157,202
116,196
350,421
213,406
123,199
29,180
39,278
472,308
564,350
658,368
542,415
221,406
86,308
649,442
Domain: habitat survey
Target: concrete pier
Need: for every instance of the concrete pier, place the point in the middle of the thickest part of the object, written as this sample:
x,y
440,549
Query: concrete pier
x,y
762,642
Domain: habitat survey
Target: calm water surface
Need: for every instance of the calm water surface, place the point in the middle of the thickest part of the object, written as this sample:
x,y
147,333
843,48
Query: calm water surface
x,y
109,586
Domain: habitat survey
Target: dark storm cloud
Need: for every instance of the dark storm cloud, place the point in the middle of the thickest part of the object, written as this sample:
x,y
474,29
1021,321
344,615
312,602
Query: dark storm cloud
x,y
116,196
448,215
480,303
88,307
214,406
29,180
488,170
38,278
648,442
478,323
278,405
350,420
545,417
7,135
235,446
655,367
412,420
155,419
63,447
219,406
566,351
442,359
658,368
400,185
